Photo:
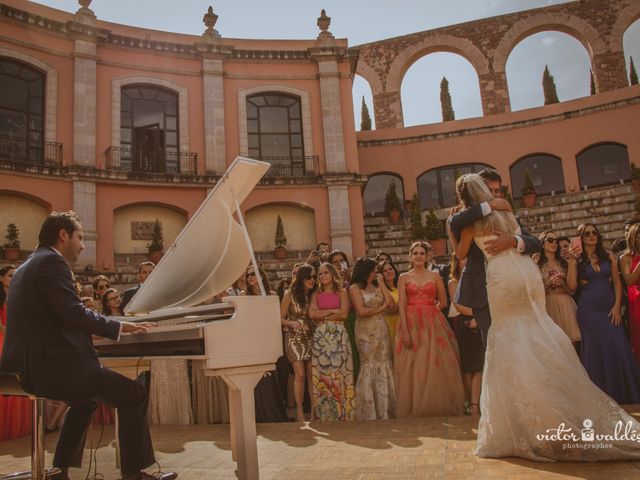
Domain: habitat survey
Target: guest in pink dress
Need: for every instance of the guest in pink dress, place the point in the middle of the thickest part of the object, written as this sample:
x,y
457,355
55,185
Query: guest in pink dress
x,y
629,266
426,360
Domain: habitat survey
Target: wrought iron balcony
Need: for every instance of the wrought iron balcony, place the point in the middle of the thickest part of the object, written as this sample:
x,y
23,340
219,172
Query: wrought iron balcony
x,y
305,166
140,161
21,150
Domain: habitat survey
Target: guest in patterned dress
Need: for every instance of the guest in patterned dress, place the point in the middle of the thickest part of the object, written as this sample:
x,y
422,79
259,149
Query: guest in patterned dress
x,y
427,363
375,387
298,340
390,276
560,305
630,267
331,359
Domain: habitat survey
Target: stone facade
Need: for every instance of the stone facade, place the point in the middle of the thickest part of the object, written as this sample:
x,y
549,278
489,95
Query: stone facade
x,y
598,24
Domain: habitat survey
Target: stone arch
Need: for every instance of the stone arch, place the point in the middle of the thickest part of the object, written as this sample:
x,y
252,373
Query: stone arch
x,y
561,22
306,113
373,193
546,172
183,105
27,212
173,220
431,44
436,185
603,163
370,75
299,222
626,17
51,89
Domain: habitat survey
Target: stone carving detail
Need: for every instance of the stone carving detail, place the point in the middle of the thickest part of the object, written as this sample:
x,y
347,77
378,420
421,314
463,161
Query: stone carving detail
x,y
323,24
210,19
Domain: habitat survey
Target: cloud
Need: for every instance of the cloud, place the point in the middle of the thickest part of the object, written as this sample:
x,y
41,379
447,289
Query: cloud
x,y
548,41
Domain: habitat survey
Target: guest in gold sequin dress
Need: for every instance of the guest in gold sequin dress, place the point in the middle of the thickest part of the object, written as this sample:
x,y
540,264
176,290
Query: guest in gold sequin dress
x,y
294,312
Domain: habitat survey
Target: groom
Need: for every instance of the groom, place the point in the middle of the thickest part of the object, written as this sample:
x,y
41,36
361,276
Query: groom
x,y
472,289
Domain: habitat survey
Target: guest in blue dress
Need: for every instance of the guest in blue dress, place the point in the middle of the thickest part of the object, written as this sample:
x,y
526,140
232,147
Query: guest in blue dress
x,y
606,354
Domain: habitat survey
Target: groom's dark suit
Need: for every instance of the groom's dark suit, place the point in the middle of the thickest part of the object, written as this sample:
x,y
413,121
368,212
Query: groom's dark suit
x,y
472,289
48,341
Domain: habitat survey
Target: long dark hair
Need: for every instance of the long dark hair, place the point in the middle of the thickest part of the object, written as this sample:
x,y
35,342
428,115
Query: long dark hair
x,y
361,271
3,271
265,283
601,252
381,266
297,286
106,309
542,256
454,271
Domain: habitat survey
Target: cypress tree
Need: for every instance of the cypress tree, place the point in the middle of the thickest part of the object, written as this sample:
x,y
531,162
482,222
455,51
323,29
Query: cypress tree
x,y
549,87
593,82
633,75
365,118
445,101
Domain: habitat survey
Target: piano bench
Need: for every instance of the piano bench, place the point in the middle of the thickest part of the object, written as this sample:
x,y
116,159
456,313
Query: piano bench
x,y
10,385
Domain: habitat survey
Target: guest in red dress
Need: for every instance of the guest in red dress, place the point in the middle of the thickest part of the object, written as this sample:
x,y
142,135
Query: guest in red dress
x,y
629,266
15,412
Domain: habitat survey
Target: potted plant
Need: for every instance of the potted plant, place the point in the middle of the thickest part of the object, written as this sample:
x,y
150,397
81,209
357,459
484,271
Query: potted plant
x,y
392,204
280,252
12,245
507,196
417,229
635,177
435,233
528,191
156,246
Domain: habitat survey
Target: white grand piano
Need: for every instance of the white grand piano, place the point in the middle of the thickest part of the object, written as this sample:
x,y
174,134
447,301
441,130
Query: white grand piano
x,y
239,339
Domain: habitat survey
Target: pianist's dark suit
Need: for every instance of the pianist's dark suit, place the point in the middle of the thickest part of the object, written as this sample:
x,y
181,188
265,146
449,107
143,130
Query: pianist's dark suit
x,y
48,341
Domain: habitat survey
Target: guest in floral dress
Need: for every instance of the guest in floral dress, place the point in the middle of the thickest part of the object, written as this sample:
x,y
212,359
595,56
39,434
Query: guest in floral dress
x,y
331,359
298,339
426,363
630,267
375,387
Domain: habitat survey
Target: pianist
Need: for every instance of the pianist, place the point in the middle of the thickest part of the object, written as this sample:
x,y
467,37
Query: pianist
x,y
48,342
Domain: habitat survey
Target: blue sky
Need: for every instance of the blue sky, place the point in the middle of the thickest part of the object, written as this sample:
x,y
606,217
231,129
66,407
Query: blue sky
x,y
362,21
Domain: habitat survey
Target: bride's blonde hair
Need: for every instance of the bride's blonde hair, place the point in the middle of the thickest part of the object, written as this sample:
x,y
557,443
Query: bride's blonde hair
x,y
472,190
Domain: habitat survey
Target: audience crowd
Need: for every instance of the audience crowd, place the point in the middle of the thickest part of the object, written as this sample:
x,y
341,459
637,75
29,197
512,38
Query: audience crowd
x,y
366,341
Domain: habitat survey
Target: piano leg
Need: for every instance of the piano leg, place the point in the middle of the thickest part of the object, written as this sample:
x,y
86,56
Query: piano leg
x,y
241,382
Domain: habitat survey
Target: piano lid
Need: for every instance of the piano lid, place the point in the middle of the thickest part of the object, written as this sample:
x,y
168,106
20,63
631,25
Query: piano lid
x,y
211,251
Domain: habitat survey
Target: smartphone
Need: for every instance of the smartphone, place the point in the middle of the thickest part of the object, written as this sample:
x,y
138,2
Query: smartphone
x,y
343,265
576,245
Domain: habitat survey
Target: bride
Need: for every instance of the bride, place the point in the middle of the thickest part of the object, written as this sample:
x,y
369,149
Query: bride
x,y
537,400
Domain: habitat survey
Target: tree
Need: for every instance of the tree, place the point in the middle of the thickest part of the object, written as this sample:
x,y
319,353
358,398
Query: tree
x,y
527,186
12,237
549,87
281,238
633,75
417,230
391,199
433,227
157,242
445,101
365,120
593,82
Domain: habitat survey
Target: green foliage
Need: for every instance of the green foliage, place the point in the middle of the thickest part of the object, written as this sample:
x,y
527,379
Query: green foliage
x,y
592,83
445,101
391,199
549,87
365,118
157,242
433,227
12,237
417,229
633,75
508,197
281,238
527,186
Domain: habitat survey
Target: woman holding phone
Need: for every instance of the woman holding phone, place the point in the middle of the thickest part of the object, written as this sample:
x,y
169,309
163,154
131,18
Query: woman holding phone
x,y
606,354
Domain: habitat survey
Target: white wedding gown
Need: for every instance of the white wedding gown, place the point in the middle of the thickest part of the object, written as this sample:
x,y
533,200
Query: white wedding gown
x,y
533,380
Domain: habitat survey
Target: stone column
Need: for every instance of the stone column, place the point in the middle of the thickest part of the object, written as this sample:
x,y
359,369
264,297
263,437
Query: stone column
x,y
84,204
610,71
495,93
387,108
84,31
339,213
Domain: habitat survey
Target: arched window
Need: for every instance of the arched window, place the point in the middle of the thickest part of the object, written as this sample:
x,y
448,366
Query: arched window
x,y
149,129
21,112
274,131
603,164
545,171
436,188
376,190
